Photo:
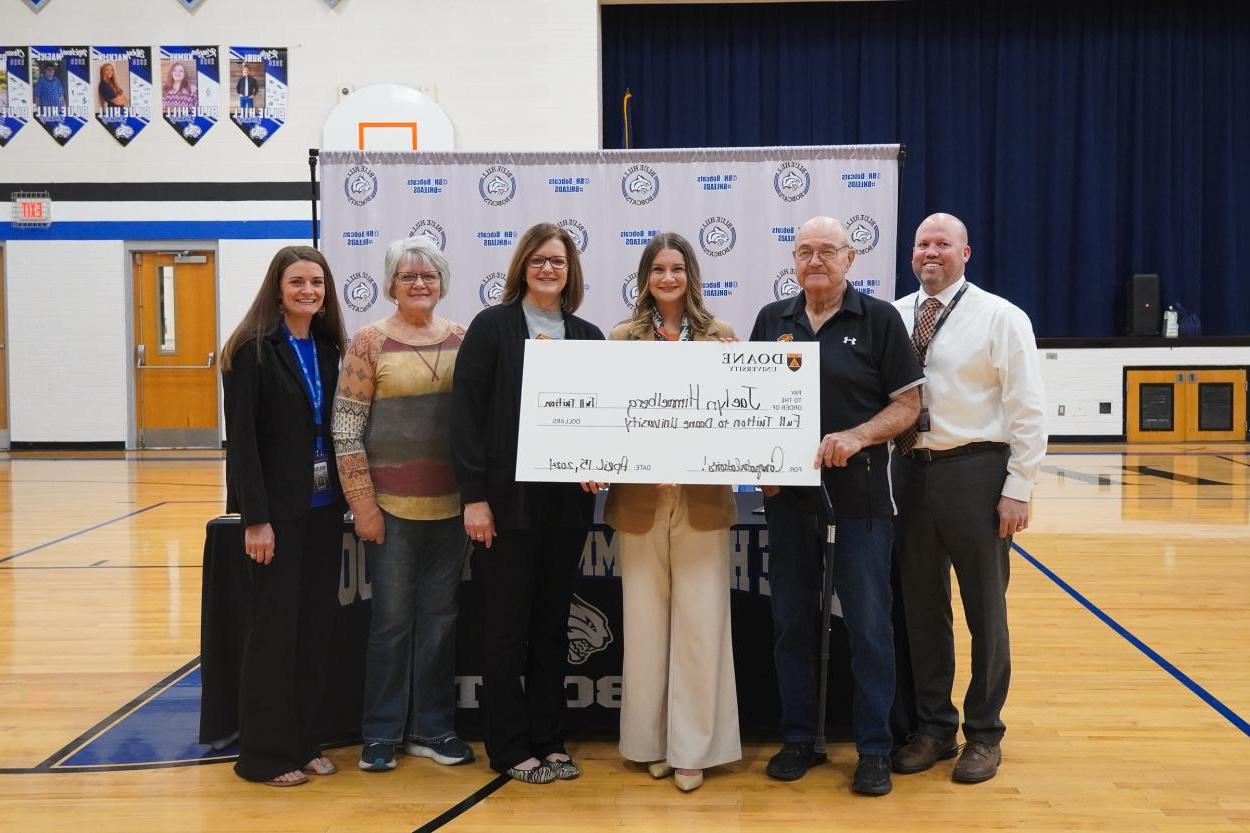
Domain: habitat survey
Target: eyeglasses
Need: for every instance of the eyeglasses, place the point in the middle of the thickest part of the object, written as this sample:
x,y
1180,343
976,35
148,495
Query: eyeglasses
x,y
538,261
827,255
411,278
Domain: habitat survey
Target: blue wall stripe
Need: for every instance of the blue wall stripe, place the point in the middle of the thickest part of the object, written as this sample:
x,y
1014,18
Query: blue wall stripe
x,y
163,230
1181,677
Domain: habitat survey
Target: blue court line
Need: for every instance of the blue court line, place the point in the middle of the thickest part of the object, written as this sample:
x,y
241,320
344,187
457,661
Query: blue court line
x,y
1181,677
162,230
84,531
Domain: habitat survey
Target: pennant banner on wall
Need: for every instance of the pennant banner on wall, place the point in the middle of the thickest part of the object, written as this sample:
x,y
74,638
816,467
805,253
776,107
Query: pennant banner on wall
x,y
190,5
190,90
37,5
258,85
14,91
61,91
738,207
123,85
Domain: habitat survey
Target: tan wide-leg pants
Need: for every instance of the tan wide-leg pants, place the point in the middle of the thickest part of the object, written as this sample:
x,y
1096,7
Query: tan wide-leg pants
x,y
679,700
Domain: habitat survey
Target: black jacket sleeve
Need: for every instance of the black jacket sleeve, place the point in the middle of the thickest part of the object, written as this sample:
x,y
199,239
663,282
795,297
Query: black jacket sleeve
x,y
472,390
244,473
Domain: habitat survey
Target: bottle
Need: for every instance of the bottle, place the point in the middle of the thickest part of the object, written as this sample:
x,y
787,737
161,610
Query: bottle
x,y
1171,322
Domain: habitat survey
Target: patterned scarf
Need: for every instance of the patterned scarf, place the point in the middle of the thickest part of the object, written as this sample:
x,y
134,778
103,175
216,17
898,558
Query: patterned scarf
x,y
662,335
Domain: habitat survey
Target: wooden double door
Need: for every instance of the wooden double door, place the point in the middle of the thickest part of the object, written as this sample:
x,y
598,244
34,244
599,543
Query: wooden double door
x,y
1186,405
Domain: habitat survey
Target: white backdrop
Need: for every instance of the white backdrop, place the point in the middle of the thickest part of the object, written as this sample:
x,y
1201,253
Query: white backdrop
x,y
739,207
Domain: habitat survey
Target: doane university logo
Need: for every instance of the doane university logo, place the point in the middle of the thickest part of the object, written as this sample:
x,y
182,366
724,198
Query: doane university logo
x,y
794,361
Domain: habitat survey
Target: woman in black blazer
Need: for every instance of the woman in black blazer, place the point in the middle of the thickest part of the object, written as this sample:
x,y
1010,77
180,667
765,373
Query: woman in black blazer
x,y
280,368
527,537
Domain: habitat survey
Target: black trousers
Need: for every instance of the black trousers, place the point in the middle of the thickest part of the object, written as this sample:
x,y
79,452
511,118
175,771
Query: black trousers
x,y
527,581
948,517
292,600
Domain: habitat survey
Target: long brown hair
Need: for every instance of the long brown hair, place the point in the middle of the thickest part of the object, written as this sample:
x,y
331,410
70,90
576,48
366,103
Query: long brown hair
x,y
266,311
514,286
644,308
111,81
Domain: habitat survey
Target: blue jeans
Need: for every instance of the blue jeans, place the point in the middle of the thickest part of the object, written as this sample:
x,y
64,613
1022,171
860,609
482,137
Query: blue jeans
x,y
411,660
861,578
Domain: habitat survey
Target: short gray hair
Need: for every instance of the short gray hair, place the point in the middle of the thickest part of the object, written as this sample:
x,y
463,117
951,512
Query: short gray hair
x,y
417,248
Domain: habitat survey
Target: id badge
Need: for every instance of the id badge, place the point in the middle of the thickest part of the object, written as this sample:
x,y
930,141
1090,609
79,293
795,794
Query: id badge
x,y
321,471
922,422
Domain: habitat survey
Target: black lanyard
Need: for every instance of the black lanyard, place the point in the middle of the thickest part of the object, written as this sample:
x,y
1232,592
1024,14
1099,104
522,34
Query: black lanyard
x,y
941,320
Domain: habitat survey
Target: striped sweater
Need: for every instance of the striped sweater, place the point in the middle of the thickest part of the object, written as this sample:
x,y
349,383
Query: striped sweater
x,y
392,423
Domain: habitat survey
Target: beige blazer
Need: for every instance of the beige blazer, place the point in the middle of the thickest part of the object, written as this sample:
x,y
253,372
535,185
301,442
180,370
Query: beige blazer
x,y
631,506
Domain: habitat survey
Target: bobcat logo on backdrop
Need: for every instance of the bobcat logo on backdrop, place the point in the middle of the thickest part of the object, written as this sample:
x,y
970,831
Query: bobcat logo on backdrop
x,y
589,631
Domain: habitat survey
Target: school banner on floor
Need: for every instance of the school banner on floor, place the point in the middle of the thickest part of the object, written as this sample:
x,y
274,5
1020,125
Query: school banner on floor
x,y
190,90
123,84
258,90
61,92
14,91
739,208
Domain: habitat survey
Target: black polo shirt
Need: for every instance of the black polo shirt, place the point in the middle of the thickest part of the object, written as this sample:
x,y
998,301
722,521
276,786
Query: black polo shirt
x,y
865,356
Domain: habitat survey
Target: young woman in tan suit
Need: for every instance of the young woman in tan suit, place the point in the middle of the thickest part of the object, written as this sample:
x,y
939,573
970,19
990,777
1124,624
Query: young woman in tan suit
x,y
679,706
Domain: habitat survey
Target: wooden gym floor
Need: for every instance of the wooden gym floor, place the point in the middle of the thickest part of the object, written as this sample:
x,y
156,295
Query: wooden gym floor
x,y
1128,708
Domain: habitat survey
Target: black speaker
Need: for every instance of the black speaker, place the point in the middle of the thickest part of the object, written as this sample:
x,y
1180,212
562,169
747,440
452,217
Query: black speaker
x,y
1142,314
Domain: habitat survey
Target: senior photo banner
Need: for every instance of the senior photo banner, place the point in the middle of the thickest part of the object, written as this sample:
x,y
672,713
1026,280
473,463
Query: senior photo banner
x,y
122,77
190,90
739,208
14,91
61,93
258,90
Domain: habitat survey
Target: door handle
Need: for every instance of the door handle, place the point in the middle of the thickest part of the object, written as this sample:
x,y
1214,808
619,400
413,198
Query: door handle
x,y
139,354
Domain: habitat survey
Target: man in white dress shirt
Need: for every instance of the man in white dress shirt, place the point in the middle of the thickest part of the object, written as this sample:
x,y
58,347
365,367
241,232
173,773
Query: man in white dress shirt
x,y
962,479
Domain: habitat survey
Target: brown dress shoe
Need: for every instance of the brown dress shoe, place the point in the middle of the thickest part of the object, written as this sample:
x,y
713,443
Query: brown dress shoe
x,y
979,762
922,752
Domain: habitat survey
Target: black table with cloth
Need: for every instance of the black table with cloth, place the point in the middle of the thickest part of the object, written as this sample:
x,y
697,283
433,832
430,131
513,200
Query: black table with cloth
x,y
593,682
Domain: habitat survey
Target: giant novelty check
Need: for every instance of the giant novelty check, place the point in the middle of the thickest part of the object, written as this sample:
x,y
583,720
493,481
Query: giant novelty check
x,y
648,412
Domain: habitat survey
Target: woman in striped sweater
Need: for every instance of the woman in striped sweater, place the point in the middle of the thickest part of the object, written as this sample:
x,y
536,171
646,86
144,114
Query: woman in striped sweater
x,y
391,434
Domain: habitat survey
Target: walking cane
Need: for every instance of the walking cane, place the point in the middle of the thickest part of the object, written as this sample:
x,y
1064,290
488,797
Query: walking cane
x,y
826,598
826,607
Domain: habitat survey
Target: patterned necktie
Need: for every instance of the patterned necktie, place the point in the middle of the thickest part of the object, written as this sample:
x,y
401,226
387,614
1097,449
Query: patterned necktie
x,y
926,325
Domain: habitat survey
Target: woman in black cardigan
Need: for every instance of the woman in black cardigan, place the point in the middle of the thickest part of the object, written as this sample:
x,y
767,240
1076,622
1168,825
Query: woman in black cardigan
x,y
527,537
280,368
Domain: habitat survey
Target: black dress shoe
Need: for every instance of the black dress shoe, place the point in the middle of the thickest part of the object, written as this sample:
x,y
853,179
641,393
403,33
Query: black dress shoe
x,y
872,776
793,761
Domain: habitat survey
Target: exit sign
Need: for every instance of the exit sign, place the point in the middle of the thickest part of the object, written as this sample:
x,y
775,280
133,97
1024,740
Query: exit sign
x,y
32,208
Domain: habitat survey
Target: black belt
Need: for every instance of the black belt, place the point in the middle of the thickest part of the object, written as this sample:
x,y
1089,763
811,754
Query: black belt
x,y
929,455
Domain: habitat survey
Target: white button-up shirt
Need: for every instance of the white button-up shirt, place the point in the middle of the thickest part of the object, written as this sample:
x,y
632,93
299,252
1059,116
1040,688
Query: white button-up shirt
x,y
983,382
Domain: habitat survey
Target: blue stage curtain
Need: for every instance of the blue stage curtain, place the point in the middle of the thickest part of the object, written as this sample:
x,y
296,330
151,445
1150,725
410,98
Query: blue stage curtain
x,y
1081,142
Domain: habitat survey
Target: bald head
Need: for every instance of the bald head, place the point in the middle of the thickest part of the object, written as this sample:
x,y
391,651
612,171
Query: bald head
x,y
949,223
822,228
822,256
940,252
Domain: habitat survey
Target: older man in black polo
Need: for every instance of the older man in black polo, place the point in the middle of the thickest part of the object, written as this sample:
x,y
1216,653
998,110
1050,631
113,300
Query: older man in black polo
x,y
869,378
